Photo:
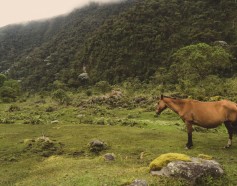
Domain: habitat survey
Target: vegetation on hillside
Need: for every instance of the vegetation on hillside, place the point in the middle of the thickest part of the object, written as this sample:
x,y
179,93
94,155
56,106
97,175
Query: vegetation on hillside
x,y
140,41
199,71
133,39
55,47
9,89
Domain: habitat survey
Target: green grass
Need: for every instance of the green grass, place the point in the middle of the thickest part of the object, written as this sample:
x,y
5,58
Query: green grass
x,y
134,147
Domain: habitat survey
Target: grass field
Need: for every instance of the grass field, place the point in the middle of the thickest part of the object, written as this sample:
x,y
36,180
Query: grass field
x,y
135,136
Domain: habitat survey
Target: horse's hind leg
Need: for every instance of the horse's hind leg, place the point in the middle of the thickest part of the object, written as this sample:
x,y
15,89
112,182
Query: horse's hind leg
x,y
230,132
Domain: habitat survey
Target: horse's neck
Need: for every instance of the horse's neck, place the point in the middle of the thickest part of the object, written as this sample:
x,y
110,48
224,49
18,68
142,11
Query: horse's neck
x,y
176,105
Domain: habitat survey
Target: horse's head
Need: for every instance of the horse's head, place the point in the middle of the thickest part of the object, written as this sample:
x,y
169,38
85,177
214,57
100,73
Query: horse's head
x,y
161,105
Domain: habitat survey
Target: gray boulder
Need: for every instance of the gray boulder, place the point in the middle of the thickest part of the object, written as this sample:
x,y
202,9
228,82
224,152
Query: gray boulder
x,y
221,43
97,146
109,157
192,170
83,76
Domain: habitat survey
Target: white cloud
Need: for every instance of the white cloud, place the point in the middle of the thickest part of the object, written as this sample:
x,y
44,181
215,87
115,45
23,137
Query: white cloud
x,y
15,11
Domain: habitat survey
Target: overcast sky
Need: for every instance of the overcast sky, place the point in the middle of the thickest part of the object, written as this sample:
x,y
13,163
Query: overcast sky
x,y
15,11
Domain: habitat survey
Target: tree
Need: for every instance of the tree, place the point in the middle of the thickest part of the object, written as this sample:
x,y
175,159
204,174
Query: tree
x,y
9,89
61,96
198,69
2,79
195,62
8,94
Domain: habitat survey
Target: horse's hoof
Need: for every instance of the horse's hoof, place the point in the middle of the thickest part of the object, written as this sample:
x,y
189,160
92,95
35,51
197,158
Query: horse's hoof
x,y
187,148
227,146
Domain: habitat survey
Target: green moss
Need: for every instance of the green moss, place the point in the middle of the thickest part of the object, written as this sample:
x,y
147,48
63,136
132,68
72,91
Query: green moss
x,y
204,156
164,159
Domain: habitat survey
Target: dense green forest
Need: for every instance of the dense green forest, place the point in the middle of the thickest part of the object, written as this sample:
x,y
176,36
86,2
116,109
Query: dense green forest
x,y
189,47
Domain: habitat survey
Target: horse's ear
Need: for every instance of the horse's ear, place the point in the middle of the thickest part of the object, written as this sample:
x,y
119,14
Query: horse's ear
x,y
161,97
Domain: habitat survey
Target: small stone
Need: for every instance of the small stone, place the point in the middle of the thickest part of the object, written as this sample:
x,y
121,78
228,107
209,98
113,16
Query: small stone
x,y
80,115
139,183
54,122
109,157
97,146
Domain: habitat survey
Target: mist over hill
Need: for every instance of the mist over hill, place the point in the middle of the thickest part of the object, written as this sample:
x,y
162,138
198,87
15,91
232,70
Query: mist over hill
x,y
113,42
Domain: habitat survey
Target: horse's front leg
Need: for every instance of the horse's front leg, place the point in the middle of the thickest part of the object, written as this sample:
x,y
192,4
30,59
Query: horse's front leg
x,y
190,139
230,132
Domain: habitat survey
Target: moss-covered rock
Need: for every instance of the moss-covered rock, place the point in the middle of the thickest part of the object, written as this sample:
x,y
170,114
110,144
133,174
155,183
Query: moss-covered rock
x,y
164,159
191,169
43,146
109,157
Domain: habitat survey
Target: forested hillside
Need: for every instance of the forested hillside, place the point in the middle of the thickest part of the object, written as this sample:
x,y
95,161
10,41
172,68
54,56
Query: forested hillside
x,y
19,40
138,39
39,52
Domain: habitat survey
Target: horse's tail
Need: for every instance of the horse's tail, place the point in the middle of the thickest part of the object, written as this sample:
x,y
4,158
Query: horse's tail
x,y
234,127
234,124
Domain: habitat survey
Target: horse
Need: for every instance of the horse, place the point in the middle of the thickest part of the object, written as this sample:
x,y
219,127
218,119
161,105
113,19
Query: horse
x,y
203,114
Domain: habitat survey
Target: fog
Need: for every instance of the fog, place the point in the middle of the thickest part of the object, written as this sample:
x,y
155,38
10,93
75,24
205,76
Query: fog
x,y
20,11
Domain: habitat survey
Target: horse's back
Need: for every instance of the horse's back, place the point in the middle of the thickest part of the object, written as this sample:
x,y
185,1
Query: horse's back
x,y
211,114
225,104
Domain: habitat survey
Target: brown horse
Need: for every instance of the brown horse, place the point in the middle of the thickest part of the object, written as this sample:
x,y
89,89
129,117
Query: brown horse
x,y
203,114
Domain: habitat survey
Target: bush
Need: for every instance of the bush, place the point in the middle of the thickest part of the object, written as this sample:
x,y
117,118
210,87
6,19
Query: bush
x,y
61,96
14,108
8,94
103,86
34,120
2,79
89,92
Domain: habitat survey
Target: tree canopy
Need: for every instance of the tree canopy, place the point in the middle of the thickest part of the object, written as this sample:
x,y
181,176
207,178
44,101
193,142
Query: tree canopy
x,y
196,62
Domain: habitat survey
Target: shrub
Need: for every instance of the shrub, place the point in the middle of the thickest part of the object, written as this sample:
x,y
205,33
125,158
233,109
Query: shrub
x,y
34,120
50,109
2,79
61,96
8,94
89,92
103,86
58,84
14,108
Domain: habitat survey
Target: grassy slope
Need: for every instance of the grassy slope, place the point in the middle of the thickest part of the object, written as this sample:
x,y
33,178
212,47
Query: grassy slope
x,y
151,138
